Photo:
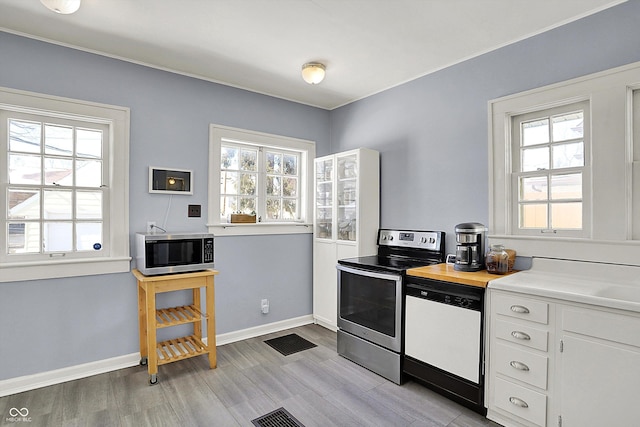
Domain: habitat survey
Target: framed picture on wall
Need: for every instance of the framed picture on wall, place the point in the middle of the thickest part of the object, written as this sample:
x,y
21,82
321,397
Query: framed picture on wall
x,y
170,181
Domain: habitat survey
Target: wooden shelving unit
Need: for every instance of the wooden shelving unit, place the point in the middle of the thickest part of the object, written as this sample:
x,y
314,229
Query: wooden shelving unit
x,y
175,349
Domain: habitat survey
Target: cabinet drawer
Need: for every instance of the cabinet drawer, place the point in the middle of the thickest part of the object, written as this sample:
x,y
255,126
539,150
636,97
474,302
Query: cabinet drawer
x,y
522,334
520,401
520,364
522,308
609,326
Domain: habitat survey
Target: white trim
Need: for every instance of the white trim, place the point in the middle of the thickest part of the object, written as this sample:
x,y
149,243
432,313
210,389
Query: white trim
x,y
256,331
57,376
259,229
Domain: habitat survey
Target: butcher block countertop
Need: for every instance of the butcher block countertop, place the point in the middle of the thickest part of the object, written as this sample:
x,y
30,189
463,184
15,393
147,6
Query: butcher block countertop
x,y
447,273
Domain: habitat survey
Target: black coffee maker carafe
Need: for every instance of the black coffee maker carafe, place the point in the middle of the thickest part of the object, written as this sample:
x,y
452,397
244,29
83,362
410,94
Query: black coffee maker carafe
x,y
470,246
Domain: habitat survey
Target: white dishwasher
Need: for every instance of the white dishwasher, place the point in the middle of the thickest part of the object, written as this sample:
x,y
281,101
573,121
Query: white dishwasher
x,y
443,338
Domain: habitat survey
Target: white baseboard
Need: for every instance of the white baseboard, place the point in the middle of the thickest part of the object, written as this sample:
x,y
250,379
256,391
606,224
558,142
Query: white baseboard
x,y
57,376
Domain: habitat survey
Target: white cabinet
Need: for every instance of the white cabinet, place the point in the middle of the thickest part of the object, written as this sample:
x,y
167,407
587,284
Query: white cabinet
x,y
346,221
519,354
555,362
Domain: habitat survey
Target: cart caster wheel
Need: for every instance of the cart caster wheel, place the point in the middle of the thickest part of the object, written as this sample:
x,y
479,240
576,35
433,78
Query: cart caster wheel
x,y
143,361
153,379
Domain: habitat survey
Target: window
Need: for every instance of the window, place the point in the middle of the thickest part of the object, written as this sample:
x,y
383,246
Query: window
x,y
65,187
564,176
261,174
550,173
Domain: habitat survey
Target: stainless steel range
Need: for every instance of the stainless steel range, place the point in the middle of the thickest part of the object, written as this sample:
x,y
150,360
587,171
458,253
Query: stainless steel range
x,y
370,299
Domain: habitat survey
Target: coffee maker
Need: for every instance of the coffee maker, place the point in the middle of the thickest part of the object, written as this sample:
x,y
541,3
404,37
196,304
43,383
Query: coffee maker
x,y
470,246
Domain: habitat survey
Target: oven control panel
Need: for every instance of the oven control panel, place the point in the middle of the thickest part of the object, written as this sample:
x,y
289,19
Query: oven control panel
x,y
410,239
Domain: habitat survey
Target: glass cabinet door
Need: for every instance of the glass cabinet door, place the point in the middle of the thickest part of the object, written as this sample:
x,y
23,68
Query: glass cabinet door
x,y
346,189
324,198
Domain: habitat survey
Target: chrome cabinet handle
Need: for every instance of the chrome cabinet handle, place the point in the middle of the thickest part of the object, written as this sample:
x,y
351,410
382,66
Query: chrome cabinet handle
x,y
520,335
519,309
519,365
518,402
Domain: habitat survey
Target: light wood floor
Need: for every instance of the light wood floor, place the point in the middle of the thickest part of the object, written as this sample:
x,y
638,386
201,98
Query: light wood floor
x,y
316,386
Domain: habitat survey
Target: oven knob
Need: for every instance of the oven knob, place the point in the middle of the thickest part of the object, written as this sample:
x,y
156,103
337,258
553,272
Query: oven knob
x,y
390,238
432,240
423,240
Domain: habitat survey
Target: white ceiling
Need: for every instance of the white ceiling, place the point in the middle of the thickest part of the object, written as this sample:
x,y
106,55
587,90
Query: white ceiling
x,y
260,45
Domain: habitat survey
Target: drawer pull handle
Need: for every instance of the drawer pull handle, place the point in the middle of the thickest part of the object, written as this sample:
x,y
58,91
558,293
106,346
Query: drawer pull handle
x,y
519,309
519,365
518,402
520,335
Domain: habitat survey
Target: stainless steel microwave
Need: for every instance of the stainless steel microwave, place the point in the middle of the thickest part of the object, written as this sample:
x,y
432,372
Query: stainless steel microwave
x,y
173,253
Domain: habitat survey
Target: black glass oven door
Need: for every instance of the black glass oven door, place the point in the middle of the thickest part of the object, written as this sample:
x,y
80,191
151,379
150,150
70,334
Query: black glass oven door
x,y
369,305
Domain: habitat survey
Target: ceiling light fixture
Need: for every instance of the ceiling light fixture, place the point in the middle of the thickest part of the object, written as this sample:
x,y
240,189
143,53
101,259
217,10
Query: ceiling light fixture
x,y
64,7
313,72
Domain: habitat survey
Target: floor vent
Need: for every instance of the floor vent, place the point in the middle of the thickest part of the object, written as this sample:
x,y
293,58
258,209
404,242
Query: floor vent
x,y
290,344
278,418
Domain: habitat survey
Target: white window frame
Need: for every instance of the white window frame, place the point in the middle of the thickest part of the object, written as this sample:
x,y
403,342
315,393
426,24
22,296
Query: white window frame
x,y
615,178
219,134
584,170
115,258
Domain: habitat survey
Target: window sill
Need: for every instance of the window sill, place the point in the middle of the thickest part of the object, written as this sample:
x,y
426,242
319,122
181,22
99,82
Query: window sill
x,y
625,252
229,229
17,272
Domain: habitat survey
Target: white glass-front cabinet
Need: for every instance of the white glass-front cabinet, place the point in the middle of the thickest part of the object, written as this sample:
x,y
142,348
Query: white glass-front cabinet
x,y
346,221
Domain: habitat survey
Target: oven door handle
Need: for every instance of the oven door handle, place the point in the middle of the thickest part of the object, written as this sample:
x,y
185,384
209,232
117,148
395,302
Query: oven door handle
x,y
369,273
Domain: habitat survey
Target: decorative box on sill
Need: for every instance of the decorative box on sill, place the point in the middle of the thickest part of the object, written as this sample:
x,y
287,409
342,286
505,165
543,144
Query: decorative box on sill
x,y
242,219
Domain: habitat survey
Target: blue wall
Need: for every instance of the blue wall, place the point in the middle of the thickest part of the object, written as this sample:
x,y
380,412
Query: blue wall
x,y
51,324
431,132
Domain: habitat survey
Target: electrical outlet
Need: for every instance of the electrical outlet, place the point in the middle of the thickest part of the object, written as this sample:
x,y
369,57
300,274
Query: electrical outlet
x,y
151,226
194,211
264,306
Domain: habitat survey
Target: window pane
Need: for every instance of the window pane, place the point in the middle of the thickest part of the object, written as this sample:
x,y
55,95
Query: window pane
x,y
58,140
57,204
568,155
273,208
24,204
89,205
228,205
289,209
58,237
568,186
533,216
248,183
229,158
533,188
23,238
88,173
535,159
290,187
228,183
89,143
566,216
274,187
290,164
274,162
58,171
24,169
568,126
247,205
249,160
535,132
24,136
88,236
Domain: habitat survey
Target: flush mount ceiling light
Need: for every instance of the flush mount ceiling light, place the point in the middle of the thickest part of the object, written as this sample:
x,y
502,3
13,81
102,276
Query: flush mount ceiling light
x,y
64,7
313,72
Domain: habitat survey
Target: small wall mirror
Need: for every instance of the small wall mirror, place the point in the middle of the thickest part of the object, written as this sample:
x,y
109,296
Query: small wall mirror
x,y
170,181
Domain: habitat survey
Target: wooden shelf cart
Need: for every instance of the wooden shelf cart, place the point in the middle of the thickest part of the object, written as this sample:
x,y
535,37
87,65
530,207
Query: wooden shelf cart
x,y
179,348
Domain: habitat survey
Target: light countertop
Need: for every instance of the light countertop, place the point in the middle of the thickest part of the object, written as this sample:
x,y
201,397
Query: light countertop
x,y
447,273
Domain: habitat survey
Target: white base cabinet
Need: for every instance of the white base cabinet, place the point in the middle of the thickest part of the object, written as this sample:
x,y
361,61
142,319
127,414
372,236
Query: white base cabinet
x,y
346,221
556,363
